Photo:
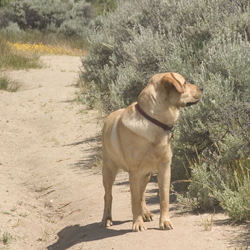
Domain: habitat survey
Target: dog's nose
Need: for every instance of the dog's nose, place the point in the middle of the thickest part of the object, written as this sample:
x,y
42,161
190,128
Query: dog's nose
x,y
201,89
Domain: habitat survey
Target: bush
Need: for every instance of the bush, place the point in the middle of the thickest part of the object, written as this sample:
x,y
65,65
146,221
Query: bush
x,y
52,16
208,42
142,36
217,127
35,14
8,85
227,186
102,6
4,3
200,40
77,20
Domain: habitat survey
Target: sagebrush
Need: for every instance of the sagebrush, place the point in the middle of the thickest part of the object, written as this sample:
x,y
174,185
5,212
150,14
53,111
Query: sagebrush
x,y
208,42
225,185
48,16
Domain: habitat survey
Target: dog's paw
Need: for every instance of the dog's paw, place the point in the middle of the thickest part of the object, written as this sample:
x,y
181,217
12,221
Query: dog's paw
x,y
138,226
147,216
166,225
106,222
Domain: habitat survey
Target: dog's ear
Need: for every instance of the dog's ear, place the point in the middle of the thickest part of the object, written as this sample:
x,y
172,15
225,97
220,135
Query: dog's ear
x,y
170,80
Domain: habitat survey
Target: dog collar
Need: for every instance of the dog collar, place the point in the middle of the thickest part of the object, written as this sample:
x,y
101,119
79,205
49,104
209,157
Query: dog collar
x,y
156,122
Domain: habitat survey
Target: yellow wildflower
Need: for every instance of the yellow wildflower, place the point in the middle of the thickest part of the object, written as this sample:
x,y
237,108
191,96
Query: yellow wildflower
x,y
45,49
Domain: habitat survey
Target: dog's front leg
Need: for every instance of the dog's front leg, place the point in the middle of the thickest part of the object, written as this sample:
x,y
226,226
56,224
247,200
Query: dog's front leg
x,y
136,187
109,172
164,176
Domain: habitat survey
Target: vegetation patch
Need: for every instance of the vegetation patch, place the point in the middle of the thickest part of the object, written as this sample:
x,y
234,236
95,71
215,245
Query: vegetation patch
x,y
208,42
16,60
45,49
8,85
6,238
62,17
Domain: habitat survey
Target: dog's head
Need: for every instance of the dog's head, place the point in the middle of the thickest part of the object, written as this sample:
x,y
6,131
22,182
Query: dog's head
x,y
165,94
179,93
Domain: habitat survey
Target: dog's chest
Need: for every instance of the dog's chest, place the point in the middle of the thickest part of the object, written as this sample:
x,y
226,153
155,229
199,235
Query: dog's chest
x,y
161,151
148,156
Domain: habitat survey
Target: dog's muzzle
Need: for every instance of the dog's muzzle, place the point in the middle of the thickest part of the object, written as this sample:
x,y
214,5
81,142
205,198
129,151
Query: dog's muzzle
x,y
192,103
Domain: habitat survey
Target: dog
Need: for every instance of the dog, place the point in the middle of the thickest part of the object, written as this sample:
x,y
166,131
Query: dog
x,y
138,139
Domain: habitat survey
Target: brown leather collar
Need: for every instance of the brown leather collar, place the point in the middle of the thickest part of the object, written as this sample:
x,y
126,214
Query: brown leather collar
x,y
156,122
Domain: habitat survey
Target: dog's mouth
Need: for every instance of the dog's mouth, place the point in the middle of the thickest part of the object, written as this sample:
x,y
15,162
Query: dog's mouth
x,y
191,103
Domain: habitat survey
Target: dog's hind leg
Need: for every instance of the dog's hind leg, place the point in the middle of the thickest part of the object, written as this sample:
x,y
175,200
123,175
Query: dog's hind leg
x,y
109,172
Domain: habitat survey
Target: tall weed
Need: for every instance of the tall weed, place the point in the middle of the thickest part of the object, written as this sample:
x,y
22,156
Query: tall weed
x,y
8,85
235,196
16,60
226,186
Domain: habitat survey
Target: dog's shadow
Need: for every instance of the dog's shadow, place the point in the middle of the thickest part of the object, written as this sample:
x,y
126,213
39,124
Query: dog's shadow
x,y
72,235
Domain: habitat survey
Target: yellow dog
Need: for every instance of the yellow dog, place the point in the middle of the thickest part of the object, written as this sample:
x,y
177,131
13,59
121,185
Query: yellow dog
x,y
138,140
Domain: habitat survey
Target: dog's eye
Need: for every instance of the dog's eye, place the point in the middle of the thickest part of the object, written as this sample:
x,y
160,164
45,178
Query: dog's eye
x,y
185,83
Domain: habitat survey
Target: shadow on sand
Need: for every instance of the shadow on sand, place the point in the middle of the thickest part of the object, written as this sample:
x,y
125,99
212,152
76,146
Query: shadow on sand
x,y
240,232
72,235
92,153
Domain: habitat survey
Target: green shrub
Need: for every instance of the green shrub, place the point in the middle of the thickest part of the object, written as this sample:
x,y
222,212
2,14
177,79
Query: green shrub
x,y
208,42
48,16
218,126
142,36
29,14
235,197
130,45
227,186
4,3
8,85
203,180
235,203
102,6
14,34
77,20
197,39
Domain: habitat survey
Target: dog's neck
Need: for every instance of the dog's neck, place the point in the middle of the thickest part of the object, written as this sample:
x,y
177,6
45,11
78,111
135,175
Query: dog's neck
x,y
153,120
169,115
157,108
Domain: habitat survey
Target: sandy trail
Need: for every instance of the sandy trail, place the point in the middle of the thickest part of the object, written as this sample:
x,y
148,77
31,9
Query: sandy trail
x,y
51,198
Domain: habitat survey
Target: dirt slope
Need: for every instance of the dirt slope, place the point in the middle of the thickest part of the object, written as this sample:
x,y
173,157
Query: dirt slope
x,y
51,198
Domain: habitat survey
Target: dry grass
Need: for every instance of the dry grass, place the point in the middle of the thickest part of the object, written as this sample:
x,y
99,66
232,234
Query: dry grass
x,y
6,238
8,84
20,55
207,223
12,59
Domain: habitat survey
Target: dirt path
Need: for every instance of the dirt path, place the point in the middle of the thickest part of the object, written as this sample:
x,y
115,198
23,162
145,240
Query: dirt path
x,y
50,196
